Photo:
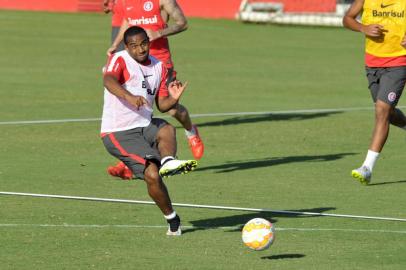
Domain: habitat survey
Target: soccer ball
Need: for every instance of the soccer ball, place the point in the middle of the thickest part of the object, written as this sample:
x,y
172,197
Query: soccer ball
x,y
258,234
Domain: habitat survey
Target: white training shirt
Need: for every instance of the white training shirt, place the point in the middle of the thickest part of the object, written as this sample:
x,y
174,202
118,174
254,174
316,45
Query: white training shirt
x,y
146,80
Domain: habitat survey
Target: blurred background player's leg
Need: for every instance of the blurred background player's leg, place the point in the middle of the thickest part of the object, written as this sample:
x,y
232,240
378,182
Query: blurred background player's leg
x,y
114,32
181,114
116,21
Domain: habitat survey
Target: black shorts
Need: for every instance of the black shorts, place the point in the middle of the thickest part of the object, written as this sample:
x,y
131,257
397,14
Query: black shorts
x,y
386,84
135,146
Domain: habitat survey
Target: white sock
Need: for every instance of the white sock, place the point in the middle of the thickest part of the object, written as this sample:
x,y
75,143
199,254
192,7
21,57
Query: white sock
x,y
165,159
370,159
170,216
190,133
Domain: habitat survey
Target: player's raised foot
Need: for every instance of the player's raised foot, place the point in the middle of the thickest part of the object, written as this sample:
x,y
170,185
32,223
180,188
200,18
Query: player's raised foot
x,y
362,174
120,170
174,227
175,166
196,144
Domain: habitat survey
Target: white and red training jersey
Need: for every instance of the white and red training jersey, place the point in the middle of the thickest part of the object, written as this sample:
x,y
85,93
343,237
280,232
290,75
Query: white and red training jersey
x,y
147,14
147,80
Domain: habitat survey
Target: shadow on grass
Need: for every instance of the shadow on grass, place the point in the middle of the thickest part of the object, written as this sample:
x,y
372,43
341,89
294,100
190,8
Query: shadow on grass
x,y
283,256
266,118
388,183
258,163
235,223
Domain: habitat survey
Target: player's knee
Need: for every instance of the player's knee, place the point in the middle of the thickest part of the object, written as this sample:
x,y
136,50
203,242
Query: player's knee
x,y
167,130
383,110
151,174
152,177
179,111
174,111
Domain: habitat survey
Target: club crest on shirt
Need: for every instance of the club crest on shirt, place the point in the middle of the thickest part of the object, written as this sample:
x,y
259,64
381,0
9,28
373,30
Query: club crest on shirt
x,y
392,96
148,6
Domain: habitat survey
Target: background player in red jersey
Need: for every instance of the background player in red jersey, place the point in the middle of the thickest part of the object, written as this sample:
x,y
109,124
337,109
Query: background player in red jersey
x,y
153,15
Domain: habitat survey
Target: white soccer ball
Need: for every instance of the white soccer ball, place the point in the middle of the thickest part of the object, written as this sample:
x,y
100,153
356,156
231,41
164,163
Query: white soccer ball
x,y
258,234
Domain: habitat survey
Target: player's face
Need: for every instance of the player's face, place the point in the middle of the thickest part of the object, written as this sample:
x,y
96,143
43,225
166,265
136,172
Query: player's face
x,y
138,47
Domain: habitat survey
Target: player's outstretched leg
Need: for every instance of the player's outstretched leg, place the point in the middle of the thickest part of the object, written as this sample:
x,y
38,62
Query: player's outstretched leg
x,y
383,113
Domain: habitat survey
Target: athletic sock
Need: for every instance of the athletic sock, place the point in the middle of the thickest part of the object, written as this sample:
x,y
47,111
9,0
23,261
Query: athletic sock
x,y
166,159
170,216
174,221
370,159
190,133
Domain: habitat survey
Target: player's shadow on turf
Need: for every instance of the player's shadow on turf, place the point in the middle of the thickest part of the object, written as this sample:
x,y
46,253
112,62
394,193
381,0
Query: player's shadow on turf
x,y
283,256
258,163
388,183
266,117
235,223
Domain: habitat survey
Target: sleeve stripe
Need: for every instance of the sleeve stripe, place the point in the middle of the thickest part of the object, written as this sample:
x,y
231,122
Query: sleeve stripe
x,y
112,63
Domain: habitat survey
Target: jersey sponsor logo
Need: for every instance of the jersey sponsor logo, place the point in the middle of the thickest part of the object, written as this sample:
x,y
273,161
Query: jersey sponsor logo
x,y
394,14
148,6
129,8
151,92
143,20
392,96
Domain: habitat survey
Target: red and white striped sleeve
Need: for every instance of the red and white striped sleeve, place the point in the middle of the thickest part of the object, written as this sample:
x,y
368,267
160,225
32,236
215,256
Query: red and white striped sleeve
x,y
116,66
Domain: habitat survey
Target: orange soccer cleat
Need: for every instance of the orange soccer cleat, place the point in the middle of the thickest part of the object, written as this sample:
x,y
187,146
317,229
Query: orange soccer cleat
x,y
196,144
120,170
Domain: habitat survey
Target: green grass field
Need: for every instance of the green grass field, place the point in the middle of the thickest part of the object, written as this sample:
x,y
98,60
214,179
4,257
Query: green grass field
x,y
50,66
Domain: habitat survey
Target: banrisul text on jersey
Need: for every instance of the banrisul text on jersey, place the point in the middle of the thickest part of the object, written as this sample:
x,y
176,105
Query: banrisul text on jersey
x,y
391,15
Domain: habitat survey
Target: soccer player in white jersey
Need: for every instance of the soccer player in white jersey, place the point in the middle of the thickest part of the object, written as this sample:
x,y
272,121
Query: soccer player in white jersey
x,y
133,80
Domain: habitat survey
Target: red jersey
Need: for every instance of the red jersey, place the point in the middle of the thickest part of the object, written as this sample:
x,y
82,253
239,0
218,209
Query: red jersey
x,y
147,14
118,13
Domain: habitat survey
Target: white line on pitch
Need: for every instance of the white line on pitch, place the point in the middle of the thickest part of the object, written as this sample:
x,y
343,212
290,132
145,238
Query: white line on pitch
x,y
26,122
128,226
219,207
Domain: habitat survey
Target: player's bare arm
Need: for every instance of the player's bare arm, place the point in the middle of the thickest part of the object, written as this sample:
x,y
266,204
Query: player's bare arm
x,y
350,21
178,20
176,89
114,87
124,26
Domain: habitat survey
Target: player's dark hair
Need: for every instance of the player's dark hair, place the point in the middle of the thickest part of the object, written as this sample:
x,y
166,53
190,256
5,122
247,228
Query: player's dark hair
x,y
132,31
